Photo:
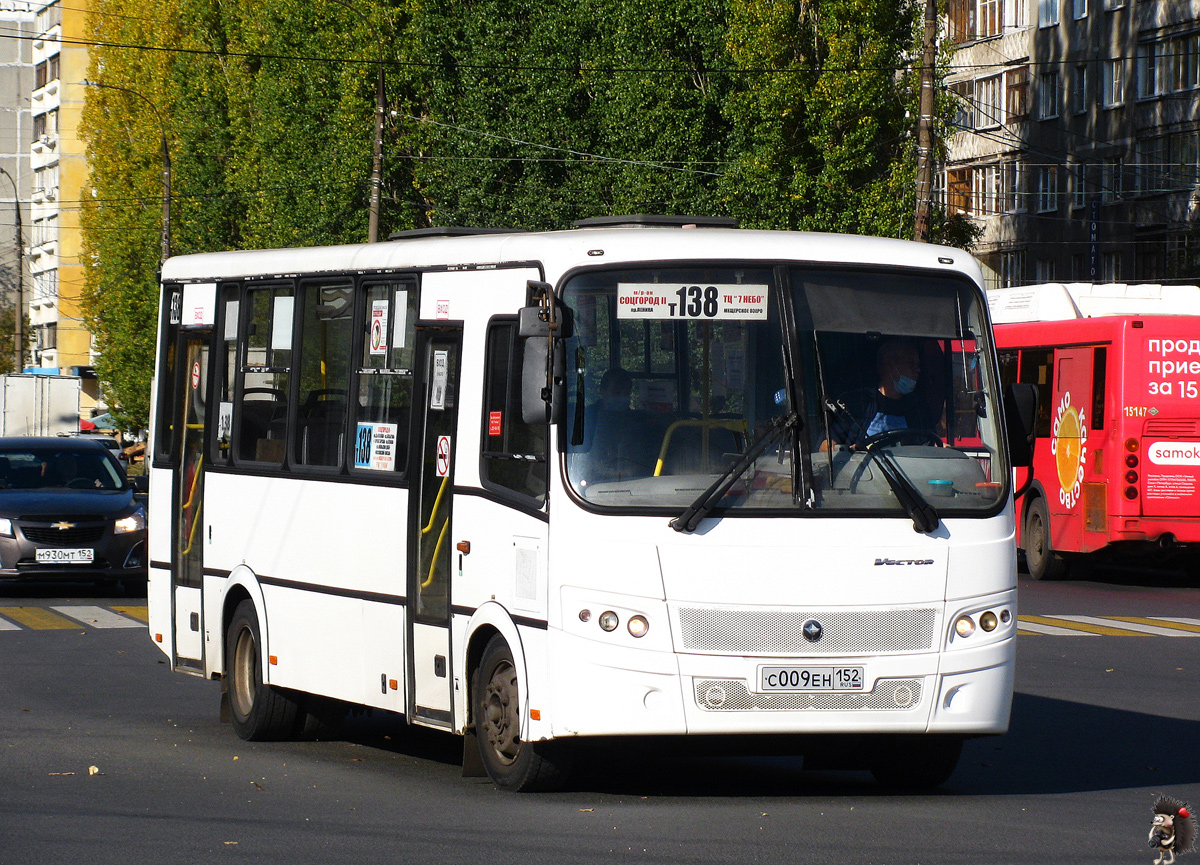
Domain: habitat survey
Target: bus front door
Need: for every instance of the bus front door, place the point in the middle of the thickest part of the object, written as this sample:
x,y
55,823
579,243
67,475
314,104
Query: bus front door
x,y
187,547
430,554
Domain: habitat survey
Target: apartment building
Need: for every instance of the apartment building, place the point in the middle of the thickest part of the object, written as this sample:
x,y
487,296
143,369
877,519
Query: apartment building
x,y
17,21
60,175
1077,150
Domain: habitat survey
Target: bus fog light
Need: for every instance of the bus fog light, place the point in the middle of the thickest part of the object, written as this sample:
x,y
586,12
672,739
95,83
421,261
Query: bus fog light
x,y
988,621
964,627
585,615
638,626
608,620
1005,615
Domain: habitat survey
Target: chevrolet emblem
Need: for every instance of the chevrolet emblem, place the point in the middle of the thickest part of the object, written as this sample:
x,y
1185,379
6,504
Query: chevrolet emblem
x,y
62,526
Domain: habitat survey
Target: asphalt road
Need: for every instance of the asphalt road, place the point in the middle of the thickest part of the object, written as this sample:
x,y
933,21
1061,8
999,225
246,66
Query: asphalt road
x,y
1102,723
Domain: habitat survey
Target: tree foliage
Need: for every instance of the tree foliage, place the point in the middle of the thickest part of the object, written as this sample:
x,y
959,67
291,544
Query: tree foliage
x,y
523,113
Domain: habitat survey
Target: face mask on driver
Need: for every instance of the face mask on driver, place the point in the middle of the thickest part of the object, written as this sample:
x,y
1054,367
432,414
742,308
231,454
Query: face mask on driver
x,y
905,385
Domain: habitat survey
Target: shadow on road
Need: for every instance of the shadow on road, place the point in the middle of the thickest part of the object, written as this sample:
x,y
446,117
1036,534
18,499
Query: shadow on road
x,y
1053,746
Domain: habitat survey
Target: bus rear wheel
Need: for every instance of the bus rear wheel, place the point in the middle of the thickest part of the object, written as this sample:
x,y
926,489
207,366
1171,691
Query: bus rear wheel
x,y
511,763
1040,558
259,712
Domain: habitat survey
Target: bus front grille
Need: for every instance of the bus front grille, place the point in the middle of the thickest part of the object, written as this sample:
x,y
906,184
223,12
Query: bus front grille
x,y
781,632
730,695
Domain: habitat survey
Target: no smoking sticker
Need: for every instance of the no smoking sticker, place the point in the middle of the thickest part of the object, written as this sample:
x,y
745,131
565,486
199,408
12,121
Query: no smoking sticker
x,y
443,456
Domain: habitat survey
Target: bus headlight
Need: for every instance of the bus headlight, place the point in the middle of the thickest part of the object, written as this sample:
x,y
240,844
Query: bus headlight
x,y
988,621
608,620
135,522
964,626
638,626
6,528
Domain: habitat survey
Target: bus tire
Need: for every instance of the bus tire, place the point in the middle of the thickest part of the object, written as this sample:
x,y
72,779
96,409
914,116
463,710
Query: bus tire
x,y
1041,560
915,763
259,712
512,764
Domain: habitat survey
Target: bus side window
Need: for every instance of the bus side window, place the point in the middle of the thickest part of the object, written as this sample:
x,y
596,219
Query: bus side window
x,y
513,453
383,403
226,351
1099,379
1037,368
323,371
265,375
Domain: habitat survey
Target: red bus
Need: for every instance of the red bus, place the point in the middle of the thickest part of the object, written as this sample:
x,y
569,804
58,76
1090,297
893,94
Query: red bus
x,y
1116,466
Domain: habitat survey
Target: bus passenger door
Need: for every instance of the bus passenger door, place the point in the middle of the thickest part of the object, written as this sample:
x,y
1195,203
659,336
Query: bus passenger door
x,y
187,518
1070,422
431,508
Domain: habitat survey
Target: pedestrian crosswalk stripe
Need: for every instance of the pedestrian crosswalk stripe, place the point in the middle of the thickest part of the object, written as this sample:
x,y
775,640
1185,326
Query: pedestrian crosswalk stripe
x,y
1161,627
142,613
6,625
98,617
1062,624
38,618
1028,625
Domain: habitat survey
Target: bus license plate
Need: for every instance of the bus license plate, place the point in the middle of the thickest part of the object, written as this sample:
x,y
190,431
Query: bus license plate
x,y
65,557
810,679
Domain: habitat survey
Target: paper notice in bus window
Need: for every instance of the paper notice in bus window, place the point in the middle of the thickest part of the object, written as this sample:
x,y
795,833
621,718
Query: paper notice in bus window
x,y
379,323
281,324
437,392
231,320
224,421
400,308
375,447
677,302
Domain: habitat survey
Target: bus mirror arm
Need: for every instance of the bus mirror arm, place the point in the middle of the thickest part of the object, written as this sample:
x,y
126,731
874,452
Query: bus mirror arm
x,y
543,326
1020,419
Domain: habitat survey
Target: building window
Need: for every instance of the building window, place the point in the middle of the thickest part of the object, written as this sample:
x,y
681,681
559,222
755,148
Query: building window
x,y
1048,95
49,16
1110,266
1012,268
986,189
1014,186
1147,262
1078,268
964,92
958,191
1183,255
990,108
45,285
47,336
1016,92
1078,172
1043,270
1047,188
1047,13
1079,9
1114,83
1148,172
975,19
1183,62
1079,90
1183,160
1149,57
1114,4
45,180
1110,179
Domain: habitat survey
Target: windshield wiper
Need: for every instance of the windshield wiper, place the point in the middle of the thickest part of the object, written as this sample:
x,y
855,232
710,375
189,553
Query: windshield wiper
x,y
707,500
924,515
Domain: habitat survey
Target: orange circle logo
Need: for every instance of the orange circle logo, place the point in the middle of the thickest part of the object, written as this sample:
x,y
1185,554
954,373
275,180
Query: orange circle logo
x,y
1068,443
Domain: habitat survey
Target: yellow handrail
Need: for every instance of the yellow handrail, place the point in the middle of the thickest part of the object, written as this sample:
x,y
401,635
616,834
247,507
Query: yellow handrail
x,y
186,506
437,548
719,423
437,503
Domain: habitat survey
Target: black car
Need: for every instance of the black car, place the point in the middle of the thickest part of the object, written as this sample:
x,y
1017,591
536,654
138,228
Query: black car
x,y
67,511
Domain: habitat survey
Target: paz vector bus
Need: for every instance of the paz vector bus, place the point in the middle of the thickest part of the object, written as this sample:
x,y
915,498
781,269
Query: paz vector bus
x,y
545,489
1116,468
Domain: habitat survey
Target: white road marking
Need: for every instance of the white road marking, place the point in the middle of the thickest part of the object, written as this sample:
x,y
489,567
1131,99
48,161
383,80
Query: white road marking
x,y
98,617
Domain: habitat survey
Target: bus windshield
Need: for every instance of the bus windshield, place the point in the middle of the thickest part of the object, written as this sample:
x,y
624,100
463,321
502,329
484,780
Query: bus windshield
x,y
675,373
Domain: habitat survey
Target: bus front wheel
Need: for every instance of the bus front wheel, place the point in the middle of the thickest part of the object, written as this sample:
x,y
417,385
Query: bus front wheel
x,y
511,763
1040,558
259,712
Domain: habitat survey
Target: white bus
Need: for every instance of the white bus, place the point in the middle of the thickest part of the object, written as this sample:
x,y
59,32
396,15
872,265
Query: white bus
x,y
640,478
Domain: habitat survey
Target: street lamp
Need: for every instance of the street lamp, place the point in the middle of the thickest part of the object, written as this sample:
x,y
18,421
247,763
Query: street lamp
x,y
19,337
166,164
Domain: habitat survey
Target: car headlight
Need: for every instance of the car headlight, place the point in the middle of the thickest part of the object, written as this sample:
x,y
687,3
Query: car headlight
x,y
6,528
135,522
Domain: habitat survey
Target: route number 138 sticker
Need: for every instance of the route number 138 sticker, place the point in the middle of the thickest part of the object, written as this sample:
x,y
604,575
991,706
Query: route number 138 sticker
x,y
685,302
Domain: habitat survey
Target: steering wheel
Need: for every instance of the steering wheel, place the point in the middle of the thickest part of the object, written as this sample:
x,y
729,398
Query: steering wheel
x,y
903,437
80,483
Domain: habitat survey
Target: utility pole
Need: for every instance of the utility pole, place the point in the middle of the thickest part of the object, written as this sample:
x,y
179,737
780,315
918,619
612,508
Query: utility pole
x,y
925,125
377,160
19,317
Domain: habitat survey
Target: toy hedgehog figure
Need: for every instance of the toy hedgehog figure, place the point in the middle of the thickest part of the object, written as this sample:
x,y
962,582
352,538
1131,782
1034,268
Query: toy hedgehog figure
x,y
1173,830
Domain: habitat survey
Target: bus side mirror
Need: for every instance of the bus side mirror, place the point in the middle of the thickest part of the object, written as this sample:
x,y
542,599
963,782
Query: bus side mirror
x,y
541,398
1020,416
